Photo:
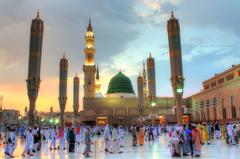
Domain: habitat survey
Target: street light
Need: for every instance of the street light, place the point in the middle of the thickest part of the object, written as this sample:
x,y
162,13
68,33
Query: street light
x,y
56,121
153,103
179,90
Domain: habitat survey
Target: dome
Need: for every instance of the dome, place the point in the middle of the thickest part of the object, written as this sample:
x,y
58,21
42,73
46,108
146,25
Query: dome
x,y
120,84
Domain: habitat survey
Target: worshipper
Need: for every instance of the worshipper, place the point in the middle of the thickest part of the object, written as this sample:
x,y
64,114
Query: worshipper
x,y
196,141
217,130
29,143
78,135
62,138
46,134
210,130
175,144
7,147
121,136
34,133
185,145
141,136
189,137
107,138
134,135
223,131
115,146
38,138
11,143
150,133
53,138
71,140
88,142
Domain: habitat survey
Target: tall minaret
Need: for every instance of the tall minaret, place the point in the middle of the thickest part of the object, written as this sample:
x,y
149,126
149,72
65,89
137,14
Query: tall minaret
x,y
140,94
151,78
175,52
34,65
145,91
98,84
63,87
76,98
89,67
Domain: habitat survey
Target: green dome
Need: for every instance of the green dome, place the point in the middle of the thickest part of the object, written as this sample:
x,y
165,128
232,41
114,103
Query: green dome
x,y
120,84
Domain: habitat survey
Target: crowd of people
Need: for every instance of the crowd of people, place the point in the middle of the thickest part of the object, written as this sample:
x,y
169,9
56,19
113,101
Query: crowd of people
x,y
185,139
188,139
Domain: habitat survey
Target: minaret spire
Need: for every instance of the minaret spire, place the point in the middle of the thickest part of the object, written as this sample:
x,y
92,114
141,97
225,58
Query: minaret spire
x,y
172,15
89,25
38,14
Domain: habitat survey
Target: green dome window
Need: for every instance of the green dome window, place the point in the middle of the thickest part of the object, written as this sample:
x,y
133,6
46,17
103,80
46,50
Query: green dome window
x,y
120,84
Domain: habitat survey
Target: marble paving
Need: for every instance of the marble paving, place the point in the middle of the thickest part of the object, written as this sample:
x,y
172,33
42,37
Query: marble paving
x,y
151,150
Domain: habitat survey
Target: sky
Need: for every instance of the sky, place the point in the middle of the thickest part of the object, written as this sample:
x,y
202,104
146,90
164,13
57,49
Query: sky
x,y
125,32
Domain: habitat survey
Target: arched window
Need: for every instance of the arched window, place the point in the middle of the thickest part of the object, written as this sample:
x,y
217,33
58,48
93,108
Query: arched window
x,y
234,115
208,114
203,115
224,113
207,103
214,101
215,108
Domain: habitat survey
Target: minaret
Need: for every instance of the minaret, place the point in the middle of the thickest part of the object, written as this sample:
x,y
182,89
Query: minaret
x,y
89,67
151,78
145,91
175,52
140,94
98,84
63,87
34,65
76,98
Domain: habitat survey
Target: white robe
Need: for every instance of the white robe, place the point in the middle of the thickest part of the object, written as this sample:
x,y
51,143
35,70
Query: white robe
x,y
121,136
29,143
12,146
115,147
53,138
107,137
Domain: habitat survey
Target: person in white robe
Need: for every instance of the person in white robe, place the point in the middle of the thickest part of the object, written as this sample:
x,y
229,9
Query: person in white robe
x,y
121,136
12,142
107,138
53,139
115,145
46,134
29,143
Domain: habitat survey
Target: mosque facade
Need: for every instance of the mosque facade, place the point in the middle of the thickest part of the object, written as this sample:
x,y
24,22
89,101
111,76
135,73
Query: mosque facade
x,y
122,105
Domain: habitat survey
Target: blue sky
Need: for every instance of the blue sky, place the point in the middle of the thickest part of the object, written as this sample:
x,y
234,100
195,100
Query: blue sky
x,y
125,32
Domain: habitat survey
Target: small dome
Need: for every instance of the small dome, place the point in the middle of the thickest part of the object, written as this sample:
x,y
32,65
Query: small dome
x,y
120,84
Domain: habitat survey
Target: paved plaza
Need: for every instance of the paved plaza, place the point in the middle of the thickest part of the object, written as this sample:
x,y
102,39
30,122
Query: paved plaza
x,y
151,150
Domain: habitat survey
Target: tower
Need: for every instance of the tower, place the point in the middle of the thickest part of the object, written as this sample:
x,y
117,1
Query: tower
x,y
145,91
34,65
63,87
175,52
89,67
151,78
98,84
140,94
76,97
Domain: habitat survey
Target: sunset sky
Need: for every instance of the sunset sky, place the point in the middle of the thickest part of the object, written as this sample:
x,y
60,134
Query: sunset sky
x,y
125,32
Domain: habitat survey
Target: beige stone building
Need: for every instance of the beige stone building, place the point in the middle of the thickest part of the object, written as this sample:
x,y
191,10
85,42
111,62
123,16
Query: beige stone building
x,y
220,97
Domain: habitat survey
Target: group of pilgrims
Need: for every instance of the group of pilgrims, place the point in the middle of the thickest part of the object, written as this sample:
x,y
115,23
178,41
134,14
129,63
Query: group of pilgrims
x,y
183,140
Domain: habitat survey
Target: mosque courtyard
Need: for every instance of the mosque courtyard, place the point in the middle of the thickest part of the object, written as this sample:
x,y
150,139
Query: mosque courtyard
x,y
157,149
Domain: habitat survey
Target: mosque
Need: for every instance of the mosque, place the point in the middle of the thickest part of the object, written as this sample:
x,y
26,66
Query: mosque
x,y
218,100
123,105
